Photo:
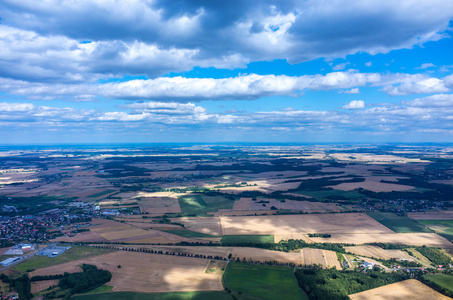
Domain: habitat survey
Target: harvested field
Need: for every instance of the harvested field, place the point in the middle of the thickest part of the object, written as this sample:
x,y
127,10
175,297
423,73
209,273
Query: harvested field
x,y
407,289
143,272
159,205
38,286
305,206
89,237
415,239
370,251
434,215
242,204
326,258
399,254
107,230
297,224
373,184
255,254
226,212
208,225
306,256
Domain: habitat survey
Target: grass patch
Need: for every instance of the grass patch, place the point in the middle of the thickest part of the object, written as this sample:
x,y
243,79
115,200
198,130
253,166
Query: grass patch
x,y
254,239
76,252
100,194
156,296
102,289
191,234
442,227
444,280
397,223
262,282
200,205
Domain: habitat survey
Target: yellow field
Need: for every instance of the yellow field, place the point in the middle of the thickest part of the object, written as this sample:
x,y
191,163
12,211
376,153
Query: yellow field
x,y
326,258
149,273
379,253
104,230
415,239
306,256
297,224
408,289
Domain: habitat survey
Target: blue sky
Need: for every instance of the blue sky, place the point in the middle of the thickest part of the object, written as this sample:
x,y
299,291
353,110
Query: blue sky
x,y
146,71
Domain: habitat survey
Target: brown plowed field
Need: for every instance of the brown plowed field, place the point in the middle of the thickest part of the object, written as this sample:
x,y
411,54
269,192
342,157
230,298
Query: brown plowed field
x,y
407,289
149,273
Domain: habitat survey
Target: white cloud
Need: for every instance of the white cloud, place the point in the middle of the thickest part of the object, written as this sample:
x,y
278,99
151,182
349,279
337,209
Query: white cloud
x,y
368,64
339,67
40,40
352,91
417,86
252,86
354,104
439,100
426,66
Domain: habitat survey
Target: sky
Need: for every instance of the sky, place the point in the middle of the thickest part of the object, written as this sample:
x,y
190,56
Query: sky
x,y
154,71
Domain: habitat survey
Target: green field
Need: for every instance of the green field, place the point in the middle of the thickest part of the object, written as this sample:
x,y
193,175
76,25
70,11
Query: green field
x,y
444,280
156,296
76,252
102,289
442,227
200,205
397,223
191,234
254,239
262,282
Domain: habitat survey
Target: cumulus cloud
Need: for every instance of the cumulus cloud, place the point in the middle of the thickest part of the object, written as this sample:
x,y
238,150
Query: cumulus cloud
x,y
354,104
417,84
41,40
439,100
169,117
251,86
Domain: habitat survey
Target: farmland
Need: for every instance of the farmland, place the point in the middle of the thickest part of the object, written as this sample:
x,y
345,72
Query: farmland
x,y
254,239
262,282
442,227
194,204
444,280
147,272
170,214
397,223
408,289
157,296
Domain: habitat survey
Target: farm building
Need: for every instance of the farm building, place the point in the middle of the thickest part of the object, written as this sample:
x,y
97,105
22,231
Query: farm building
x,y
368,265
53,251
9,261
